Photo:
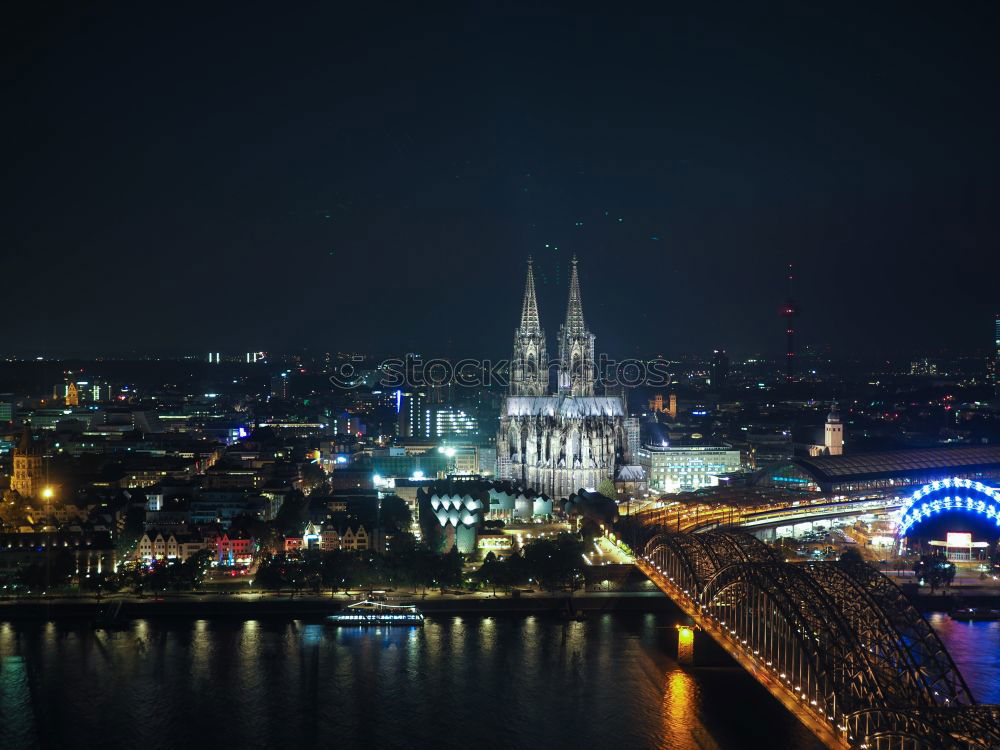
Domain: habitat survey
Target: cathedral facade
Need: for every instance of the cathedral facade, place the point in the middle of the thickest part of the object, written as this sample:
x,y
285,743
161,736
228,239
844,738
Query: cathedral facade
x,y
558,443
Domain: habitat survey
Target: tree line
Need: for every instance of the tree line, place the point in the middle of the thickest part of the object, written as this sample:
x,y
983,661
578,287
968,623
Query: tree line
x,y
553,564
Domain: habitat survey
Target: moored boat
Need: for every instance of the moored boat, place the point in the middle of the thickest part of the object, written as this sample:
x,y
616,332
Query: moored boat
x,y
376,612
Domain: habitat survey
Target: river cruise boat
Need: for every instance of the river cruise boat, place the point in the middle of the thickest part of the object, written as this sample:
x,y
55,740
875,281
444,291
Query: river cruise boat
x,y
377,611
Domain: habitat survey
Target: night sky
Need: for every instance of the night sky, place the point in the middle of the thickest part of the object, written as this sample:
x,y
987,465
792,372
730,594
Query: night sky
x,y
179,178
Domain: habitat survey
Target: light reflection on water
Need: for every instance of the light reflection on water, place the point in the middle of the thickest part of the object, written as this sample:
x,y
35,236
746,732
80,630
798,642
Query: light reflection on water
x,y
975,648
680,722
492,682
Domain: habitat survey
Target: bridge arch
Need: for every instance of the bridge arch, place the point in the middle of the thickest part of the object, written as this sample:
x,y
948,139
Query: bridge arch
x,y
839,641
947,495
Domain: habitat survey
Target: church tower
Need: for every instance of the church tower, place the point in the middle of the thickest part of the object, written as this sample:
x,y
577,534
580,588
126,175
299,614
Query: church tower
x,y
557,444
529,367
27,477
577,370
833,433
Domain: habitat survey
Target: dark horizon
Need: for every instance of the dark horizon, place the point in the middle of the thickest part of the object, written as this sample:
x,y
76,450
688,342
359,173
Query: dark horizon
x,y
186,181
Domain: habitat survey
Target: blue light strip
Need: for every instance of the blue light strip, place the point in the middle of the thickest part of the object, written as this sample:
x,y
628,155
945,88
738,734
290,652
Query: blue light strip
x,y
975,497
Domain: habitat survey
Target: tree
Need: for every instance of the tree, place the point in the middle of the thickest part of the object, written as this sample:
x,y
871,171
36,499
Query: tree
x,y
271,572
589,530
396,515
292,515
490,572
607,488
311,475
514,571
11,510
100,583
449,568
48,572
935,570
851,555
556,563
424,567
334,570
399,559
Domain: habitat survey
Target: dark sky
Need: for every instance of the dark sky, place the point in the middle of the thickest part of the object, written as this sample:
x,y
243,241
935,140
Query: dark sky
x,y
269,176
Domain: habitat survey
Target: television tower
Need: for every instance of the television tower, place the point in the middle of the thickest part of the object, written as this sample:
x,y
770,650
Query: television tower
x,y
790,311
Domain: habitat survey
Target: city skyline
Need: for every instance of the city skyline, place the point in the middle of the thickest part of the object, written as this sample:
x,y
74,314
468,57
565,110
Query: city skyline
x,y
573,374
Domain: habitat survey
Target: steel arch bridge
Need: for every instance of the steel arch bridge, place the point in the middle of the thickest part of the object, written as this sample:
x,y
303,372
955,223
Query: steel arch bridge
x,y
838,643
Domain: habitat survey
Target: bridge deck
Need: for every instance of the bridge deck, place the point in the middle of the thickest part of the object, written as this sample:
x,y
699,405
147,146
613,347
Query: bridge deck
x,y
766,676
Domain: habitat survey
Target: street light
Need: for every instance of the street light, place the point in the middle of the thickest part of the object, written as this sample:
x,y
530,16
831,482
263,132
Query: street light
x,y
47,493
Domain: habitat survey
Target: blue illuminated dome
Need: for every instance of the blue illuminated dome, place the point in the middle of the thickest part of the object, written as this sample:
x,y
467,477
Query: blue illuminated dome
x,y
947,495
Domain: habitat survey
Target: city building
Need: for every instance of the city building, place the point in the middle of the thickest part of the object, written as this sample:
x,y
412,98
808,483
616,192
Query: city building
x,y
410,413
633,436
8,407
233,550
657,406
631,481
923,367
508,502
833,433
882,471
27,478
169,545
93,551
442,421
996,340
464,457
81,391
221,506
396,463
328,536
279,385
451,513
719,371
685,467
557,444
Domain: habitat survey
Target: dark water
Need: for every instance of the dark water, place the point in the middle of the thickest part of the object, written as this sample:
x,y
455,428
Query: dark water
x,y
975,647
458,682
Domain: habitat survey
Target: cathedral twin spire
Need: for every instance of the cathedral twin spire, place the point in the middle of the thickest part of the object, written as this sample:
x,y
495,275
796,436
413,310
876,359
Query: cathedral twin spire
x,y
530,322
574,308
529,366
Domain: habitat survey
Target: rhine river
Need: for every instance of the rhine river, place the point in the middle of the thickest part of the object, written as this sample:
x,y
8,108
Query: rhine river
x,y
457,682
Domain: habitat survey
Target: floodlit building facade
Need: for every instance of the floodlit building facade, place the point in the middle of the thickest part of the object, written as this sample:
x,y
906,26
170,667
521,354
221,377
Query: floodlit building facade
x,y
558,444
681,468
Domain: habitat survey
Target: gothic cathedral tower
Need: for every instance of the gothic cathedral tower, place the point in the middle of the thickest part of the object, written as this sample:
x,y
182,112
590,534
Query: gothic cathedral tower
x,y
558,444
577,370
529,367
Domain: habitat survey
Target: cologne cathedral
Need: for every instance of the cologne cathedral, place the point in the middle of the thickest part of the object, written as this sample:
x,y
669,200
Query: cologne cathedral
x,y
558,444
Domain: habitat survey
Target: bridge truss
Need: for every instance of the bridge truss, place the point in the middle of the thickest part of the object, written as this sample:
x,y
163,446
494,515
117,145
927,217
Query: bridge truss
x,y
838,643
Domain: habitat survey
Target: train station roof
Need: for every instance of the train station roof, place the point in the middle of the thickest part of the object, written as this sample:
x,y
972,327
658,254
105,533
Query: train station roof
x,y
826,470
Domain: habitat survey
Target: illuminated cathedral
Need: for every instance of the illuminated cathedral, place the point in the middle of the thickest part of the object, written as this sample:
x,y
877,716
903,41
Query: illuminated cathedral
x,y
558,444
